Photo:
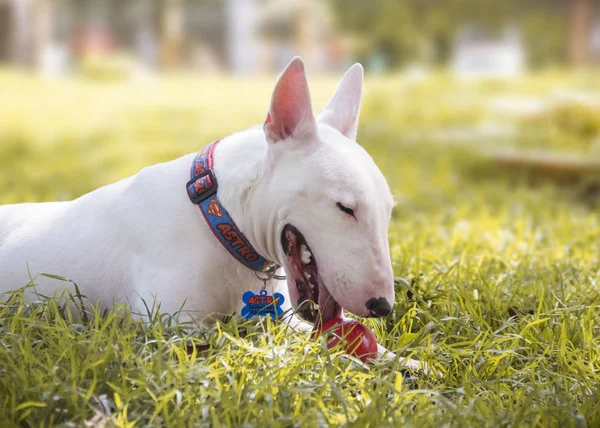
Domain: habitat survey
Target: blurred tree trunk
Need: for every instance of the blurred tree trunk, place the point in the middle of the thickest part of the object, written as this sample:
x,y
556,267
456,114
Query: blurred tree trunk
x,y
171,33
579,32
6,31
146,31
41,13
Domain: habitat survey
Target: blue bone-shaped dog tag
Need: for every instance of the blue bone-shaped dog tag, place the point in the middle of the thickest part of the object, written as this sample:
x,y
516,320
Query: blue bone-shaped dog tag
x,y
262,304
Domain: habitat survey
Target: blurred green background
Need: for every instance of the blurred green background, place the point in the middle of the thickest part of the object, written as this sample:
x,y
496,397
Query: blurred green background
x,y
470,108
62,138
92,91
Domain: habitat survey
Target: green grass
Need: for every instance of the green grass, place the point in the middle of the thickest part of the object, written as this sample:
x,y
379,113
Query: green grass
x,y
497,280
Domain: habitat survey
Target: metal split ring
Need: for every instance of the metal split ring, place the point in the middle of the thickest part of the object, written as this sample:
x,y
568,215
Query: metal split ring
x,y
270,276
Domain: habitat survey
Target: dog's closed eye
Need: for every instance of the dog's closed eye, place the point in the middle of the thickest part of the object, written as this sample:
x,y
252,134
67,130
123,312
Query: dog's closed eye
x,y
347,210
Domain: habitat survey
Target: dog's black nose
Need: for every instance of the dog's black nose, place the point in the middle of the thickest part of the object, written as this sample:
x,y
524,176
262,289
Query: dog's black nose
x,y
379,307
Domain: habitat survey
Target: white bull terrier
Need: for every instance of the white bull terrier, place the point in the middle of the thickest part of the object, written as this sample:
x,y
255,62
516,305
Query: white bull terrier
x,y
304,195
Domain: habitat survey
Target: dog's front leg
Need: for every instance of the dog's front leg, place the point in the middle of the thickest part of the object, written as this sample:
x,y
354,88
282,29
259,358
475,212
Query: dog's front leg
x,y
300,325
409,363
297,324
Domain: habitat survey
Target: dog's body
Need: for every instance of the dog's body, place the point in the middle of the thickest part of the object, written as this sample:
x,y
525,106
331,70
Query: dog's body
x,y
142,238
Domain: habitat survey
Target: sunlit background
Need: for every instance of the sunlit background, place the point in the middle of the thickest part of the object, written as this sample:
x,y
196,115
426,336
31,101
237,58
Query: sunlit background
x,y
91,91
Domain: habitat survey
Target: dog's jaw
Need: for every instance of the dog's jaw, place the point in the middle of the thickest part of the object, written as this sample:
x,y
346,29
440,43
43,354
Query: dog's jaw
x,y
304,276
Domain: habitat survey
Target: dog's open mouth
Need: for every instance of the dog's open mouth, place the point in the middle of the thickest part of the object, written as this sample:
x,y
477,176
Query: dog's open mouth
x,y
304,273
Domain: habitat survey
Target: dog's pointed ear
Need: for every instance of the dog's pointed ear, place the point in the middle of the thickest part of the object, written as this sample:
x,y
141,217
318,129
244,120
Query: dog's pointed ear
x,y
290,113
342,110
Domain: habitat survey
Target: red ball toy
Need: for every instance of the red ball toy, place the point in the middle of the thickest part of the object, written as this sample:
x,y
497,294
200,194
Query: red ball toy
x,y
358,340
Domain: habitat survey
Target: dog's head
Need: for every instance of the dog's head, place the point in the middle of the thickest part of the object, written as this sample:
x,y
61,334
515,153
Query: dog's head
x,y
333,203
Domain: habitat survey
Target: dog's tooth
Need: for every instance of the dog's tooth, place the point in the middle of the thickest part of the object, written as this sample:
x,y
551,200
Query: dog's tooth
x,y
305,254
307,276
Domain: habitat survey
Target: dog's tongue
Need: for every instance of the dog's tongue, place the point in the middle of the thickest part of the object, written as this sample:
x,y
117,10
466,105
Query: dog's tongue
x,y
328,307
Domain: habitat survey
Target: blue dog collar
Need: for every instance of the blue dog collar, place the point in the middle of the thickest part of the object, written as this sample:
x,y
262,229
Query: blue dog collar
x,y
202,191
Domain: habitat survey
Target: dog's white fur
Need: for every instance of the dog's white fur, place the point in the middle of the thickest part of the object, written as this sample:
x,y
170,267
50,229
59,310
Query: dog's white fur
x,y
141,238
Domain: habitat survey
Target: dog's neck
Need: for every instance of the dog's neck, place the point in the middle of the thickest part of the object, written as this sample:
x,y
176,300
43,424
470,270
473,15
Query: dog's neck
x,y
241,167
